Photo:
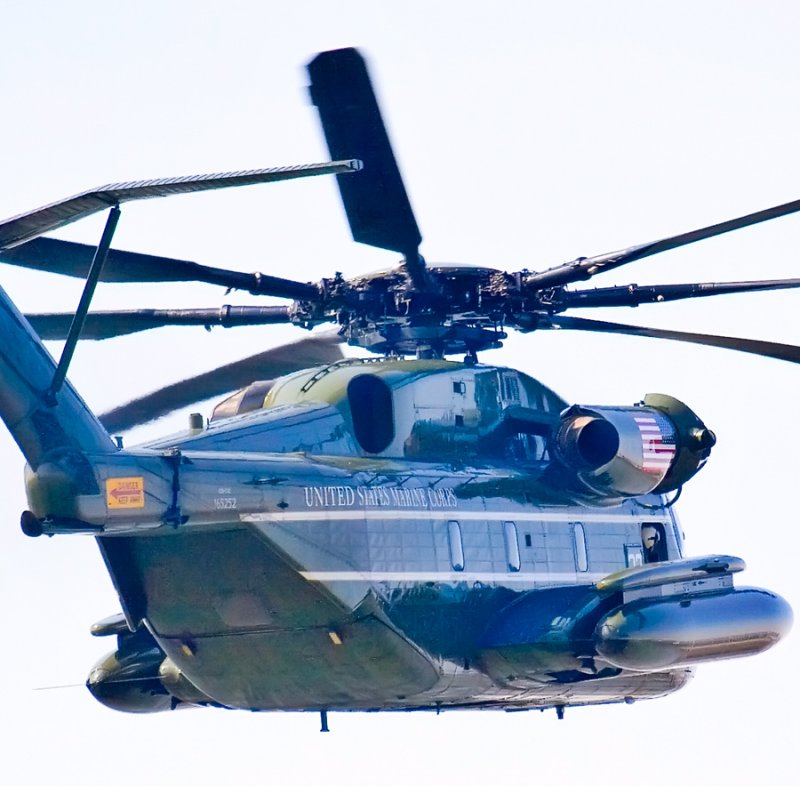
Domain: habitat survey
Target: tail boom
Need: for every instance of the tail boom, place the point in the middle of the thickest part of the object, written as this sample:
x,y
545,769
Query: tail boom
x,y
45,427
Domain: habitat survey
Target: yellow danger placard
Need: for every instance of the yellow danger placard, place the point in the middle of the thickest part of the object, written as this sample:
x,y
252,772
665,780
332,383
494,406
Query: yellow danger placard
x,y
125,493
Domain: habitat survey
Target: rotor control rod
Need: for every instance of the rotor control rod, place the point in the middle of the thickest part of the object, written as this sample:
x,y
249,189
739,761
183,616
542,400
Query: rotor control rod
x,y
83,307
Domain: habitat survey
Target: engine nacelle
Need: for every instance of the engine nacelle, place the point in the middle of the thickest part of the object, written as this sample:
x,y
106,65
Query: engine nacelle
x,y
609,453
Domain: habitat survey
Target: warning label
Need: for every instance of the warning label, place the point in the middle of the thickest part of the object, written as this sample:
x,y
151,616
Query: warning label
x,y
125,493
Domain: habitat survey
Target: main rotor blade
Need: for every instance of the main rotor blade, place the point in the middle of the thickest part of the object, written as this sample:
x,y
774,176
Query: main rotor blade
x,y
75,259
27,226
634,295
767,349
314,351
101,325
376,202
585,267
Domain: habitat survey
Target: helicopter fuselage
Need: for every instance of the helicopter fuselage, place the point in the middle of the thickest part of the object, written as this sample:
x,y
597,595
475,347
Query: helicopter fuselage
x,y
345,573
291,582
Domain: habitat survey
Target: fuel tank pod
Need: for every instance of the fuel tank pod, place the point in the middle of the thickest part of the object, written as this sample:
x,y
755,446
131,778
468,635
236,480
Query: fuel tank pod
x,y
138,677
142,681
652,635
615,452
129,682
675,614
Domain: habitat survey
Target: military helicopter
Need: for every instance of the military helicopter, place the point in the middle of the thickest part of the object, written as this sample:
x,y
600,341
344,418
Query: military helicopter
x,y
383,533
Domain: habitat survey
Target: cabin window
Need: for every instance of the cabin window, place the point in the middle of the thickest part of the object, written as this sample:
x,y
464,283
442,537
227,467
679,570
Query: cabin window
x,y
579,541
460,388
528,540
456,545
512,546
653,542
371,408
510,387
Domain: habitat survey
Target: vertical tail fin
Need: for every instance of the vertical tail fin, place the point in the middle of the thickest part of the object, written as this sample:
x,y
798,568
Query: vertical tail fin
x,y
40,426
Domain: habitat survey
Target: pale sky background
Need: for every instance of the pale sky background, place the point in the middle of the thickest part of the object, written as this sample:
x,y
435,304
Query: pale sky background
x,y
529,133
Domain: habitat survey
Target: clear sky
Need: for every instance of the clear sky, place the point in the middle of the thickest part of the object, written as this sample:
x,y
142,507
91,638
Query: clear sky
x,y
529,133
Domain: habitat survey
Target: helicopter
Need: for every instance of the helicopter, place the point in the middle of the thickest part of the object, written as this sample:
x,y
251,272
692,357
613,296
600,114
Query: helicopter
x,y
382,533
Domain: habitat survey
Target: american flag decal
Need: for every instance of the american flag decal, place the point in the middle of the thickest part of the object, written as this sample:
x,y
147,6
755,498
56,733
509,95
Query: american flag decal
x,y
658,443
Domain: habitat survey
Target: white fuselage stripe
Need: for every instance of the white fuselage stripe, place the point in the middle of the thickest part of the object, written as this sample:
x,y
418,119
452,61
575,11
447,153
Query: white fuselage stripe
x,y
442,515
450,576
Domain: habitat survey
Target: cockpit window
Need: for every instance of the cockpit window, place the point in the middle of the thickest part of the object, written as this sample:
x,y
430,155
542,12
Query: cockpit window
x,y
654,542
371,408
